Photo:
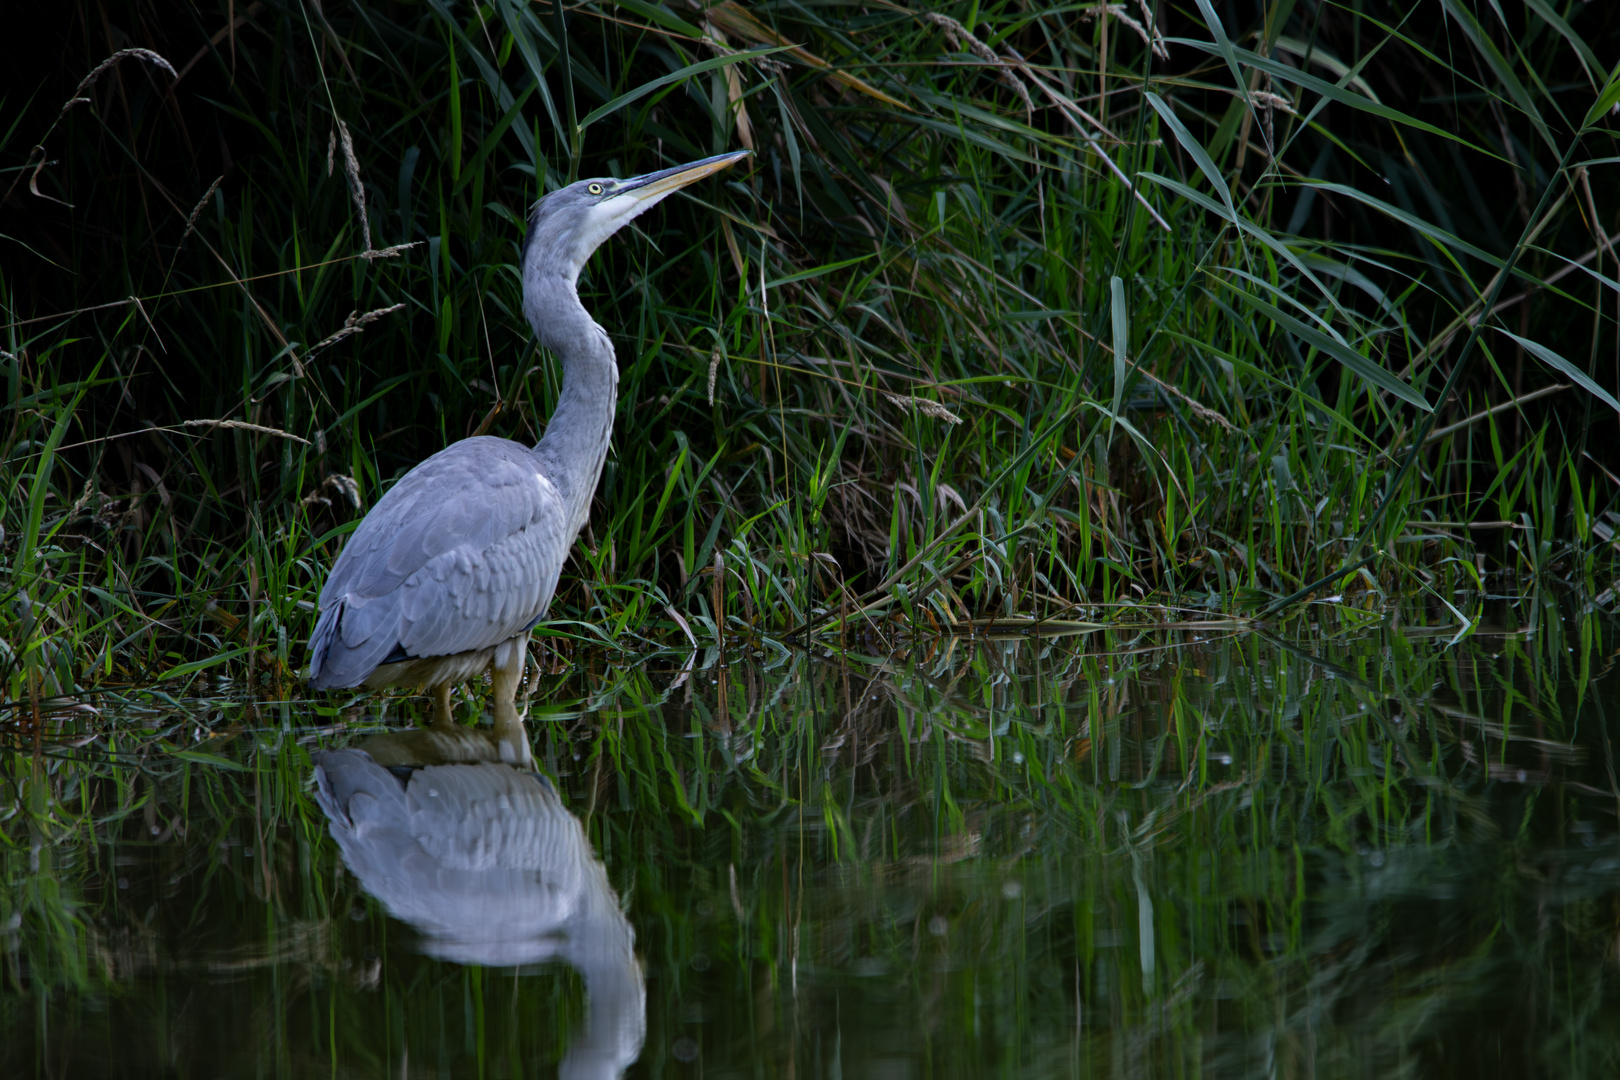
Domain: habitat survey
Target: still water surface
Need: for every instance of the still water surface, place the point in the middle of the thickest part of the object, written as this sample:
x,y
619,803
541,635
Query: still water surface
x,y
1354,848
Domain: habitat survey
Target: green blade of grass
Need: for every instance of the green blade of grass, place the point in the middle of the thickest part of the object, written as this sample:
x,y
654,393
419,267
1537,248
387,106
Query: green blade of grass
x,y
712,64
1564,367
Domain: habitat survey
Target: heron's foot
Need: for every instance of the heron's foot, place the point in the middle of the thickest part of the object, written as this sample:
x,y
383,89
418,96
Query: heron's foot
x,y
511,734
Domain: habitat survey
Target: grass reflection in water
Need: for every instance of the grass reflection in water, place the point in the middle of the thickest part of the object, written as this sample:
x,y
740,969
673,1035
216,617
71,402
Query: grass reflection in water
x,y
1334,850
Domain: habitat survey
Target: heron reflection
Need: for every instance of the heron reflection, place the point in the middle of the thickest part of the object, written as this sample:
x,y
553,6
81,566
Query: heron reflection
x,y
456,834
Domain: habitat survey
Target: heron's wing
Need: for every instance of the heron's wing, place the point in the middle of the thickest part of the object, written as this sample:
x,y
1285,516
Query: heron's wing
x,y
350,784
462,553
469,496
494,817
483,859
469,818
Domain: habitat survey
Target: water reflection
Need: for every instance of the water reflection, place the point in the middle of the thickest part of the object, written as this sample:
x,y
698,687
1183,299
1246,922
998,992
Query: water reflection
x,y
457,835
1355,849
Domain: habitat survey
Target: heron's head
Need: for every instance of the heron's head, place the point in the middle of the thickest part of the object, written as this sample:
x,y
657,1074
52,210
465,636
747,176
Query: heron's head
x,y
570,223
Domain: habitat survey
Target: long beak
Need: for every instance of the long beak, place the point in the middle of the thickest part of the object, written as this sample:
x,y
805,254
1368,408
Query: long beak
x,y
655,185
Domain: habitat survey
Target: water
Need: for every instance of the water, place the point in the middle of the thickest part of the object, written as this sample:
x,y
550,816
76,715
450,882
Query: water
x,y
1356,848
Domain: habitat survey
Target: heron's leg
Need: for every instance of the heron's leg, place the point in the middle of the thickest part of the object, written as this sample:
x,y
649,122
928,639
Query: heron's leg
x,y
506,670
441,705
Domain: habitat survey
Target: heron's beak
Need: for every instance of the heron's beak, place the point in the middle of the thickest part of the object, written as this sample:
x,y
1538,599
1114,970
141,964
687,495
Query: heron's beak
x,y
654,186
594,223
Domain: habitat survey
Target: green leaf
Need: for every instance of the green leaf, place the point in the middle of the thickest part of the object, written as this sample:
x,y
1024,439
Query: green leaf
x,y
1412,221
711,64
1205,164
1122,335
1223,45
1337,93
42,480
1150,450
1559,364
492,140
806,275
1589,59
971,135
1263,375
203,758
655,14
180,671
492,78
1347,75
1039,315
1348,274
1282,250
1608,99
1337,348
1500,65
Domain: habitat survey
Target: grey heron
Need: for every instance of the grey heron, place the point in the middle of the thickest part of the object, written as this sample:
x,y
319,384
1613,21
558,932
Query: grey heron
x,y
486,863
449,572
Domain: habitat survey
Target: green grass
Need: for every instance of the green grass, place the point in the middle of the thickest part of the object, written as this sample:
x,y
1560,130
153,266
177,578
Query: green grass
x,y
1080,333
1353,852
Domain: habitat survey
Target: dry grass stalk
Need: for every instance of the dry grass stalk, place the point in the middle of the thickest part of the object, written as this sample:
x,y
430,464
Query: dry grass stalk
x,y
196,211
354,324
243,425
1273,101
923,405
351,166
1199,409
716,40
78,98
741,22
1150,38
388,252
717,600
335,484
965,41
89,80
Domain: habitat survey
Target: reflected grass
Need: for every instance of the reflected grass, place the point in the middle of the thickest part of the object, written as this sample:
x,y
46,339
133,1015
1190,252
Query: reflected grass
x,y
1344,847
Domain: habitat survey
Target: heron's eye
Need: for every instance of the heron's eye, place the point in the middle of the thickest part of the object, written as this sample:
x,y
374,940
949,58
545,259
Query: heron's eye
x,y
595,189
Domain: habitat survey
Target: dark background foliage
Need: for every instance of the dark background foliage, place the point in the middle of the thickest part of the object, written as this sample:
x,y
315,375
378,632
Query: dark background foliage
x,y
780,427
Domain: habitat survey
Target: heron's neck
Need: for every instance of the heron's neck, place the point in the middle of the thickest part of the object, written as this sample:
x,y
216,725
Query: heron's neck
x,y
600,944
575,444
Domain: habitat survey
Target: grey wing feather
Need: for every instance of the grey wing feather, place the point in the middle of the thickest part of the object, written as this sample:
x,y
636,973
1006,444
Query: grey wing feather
x,y
475,817
342,776
494,817
483,859
462,553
